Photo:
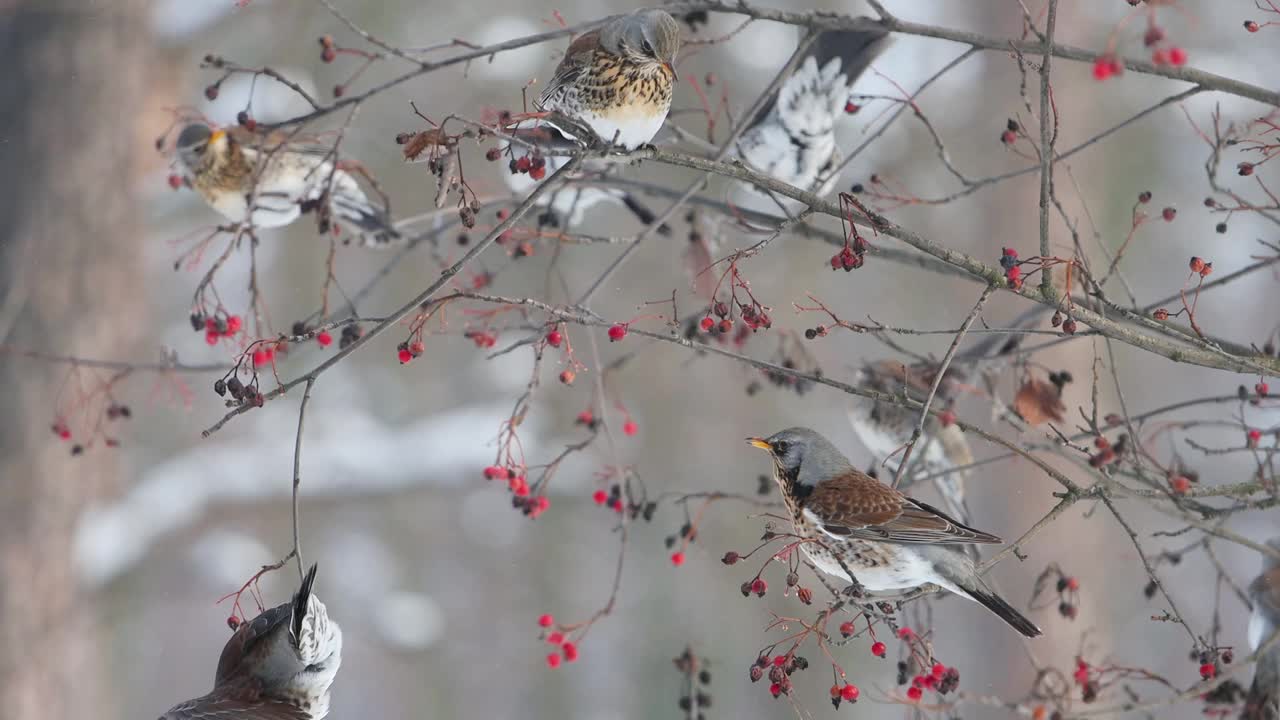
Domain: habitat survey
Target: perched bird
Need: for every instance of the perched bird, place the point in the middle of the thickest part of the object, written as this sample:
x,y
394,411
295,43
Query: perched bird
x,y
793,137
269,184
885,427
278,666
617,81
1263,700
868,534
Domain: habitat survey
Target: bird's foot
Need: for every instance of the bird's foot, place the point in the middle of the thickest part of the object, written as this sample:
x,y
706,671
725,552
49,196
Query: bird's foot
x,y
854,590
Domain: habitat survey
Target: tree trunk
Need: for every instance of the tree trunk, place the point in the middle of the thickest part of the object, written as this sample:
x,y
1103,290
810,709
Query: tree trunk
x,y
70,282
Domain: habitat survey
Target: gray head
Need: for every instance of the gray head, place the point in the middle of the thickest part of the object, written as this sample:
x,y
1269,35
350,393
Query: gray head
x,y
804,455
647,37
194,141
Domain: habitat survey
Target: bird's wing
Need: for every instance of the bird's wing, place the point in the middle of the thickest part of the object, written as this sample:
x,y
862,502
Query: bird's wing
x,y
246,637
577,57
217,707
855,505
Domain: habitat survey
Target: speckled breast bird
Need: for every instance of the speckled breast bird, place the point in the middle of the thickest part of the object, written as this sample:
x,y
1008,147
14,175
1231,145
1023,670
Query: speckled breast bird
x,y
618,80
793,138
884,427
278,666
236,172
888,541
1263,700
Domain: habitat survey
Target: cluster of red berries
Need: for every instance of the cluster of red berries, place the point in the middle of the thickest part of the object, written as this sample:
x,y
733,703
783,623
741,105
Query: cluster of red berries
x,y
215,327
516,481
1107,452
1010,134
406,351
568,650
612,499
532,507
756,585
1107,67
1171,55
1067,323
482,338
264,354
851,257
940,678
847,693
535,166
1012,273
1085,679
1200,267
780,668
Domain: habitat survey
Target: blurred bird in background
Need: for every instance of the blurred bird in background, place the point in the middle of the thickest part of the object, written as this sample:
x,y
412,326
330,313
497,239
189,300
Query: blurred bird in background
x,y
269,182
1263,700
278,666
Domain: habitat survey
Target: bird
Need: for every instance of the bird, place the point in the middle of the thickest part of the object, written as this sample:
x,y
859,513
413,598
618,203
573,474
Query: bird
x,y
268,183
864,532
1263,700
792,138
885,427
278,666
617,81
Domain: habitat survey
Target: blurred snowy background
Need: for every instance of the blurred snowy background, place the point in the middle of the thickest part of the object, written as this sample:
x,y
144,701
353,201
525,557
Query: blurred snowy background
x,y
436,580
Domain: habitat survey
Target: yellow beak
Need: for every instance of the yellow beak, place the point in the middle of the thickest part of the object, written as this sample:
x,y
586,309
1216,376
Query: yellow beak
x,y
760,443
217,135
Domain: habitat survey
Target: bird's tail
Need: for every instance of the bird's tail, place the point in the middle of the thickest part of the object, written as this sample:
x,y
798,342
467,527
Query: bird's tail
x,y
1263,700
372,223
301,602
816,93
986,597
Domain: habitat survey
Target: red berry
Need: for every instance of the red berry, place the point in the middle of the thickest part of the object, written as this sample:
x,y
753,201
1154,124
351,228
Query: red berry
x,y
555,638
175,181
1196,264
1153,35
914,693
938,670
585,417
600,497
234,324
835,691
1251,26
1102,69
328,55
404,355
1008,137
759,586
570,651
260,358
211,338
1013,273
707,323
846,628
553,660
852,107
726,325
878,649
1177,56
522,165
617,332
906,633
775,689
630,428
1009,252
677,558
1169,214
1208,670
947,418
554,338
779,660
1254,436
567,377
491,473
1180,485
1262,389
849,693
324,338
545,619
539,172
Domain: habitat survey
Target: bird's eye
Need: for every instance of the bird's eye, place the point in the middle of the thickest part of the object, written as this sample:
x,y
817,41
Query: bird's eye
x,y
646,47
780,447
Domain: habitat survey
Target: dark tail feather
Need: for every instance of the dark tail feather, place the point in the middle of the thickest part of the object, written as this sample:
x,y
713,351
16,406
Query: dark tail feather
x,y
644,214
855,48
301,601
1262,702
1004,610
374,225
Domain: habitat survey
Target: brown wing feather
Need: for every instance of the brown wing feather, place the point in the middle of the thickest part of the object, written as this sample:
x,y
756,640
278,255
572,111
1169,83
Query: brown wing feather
x,y
246,637
857,505
214,707
577,57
